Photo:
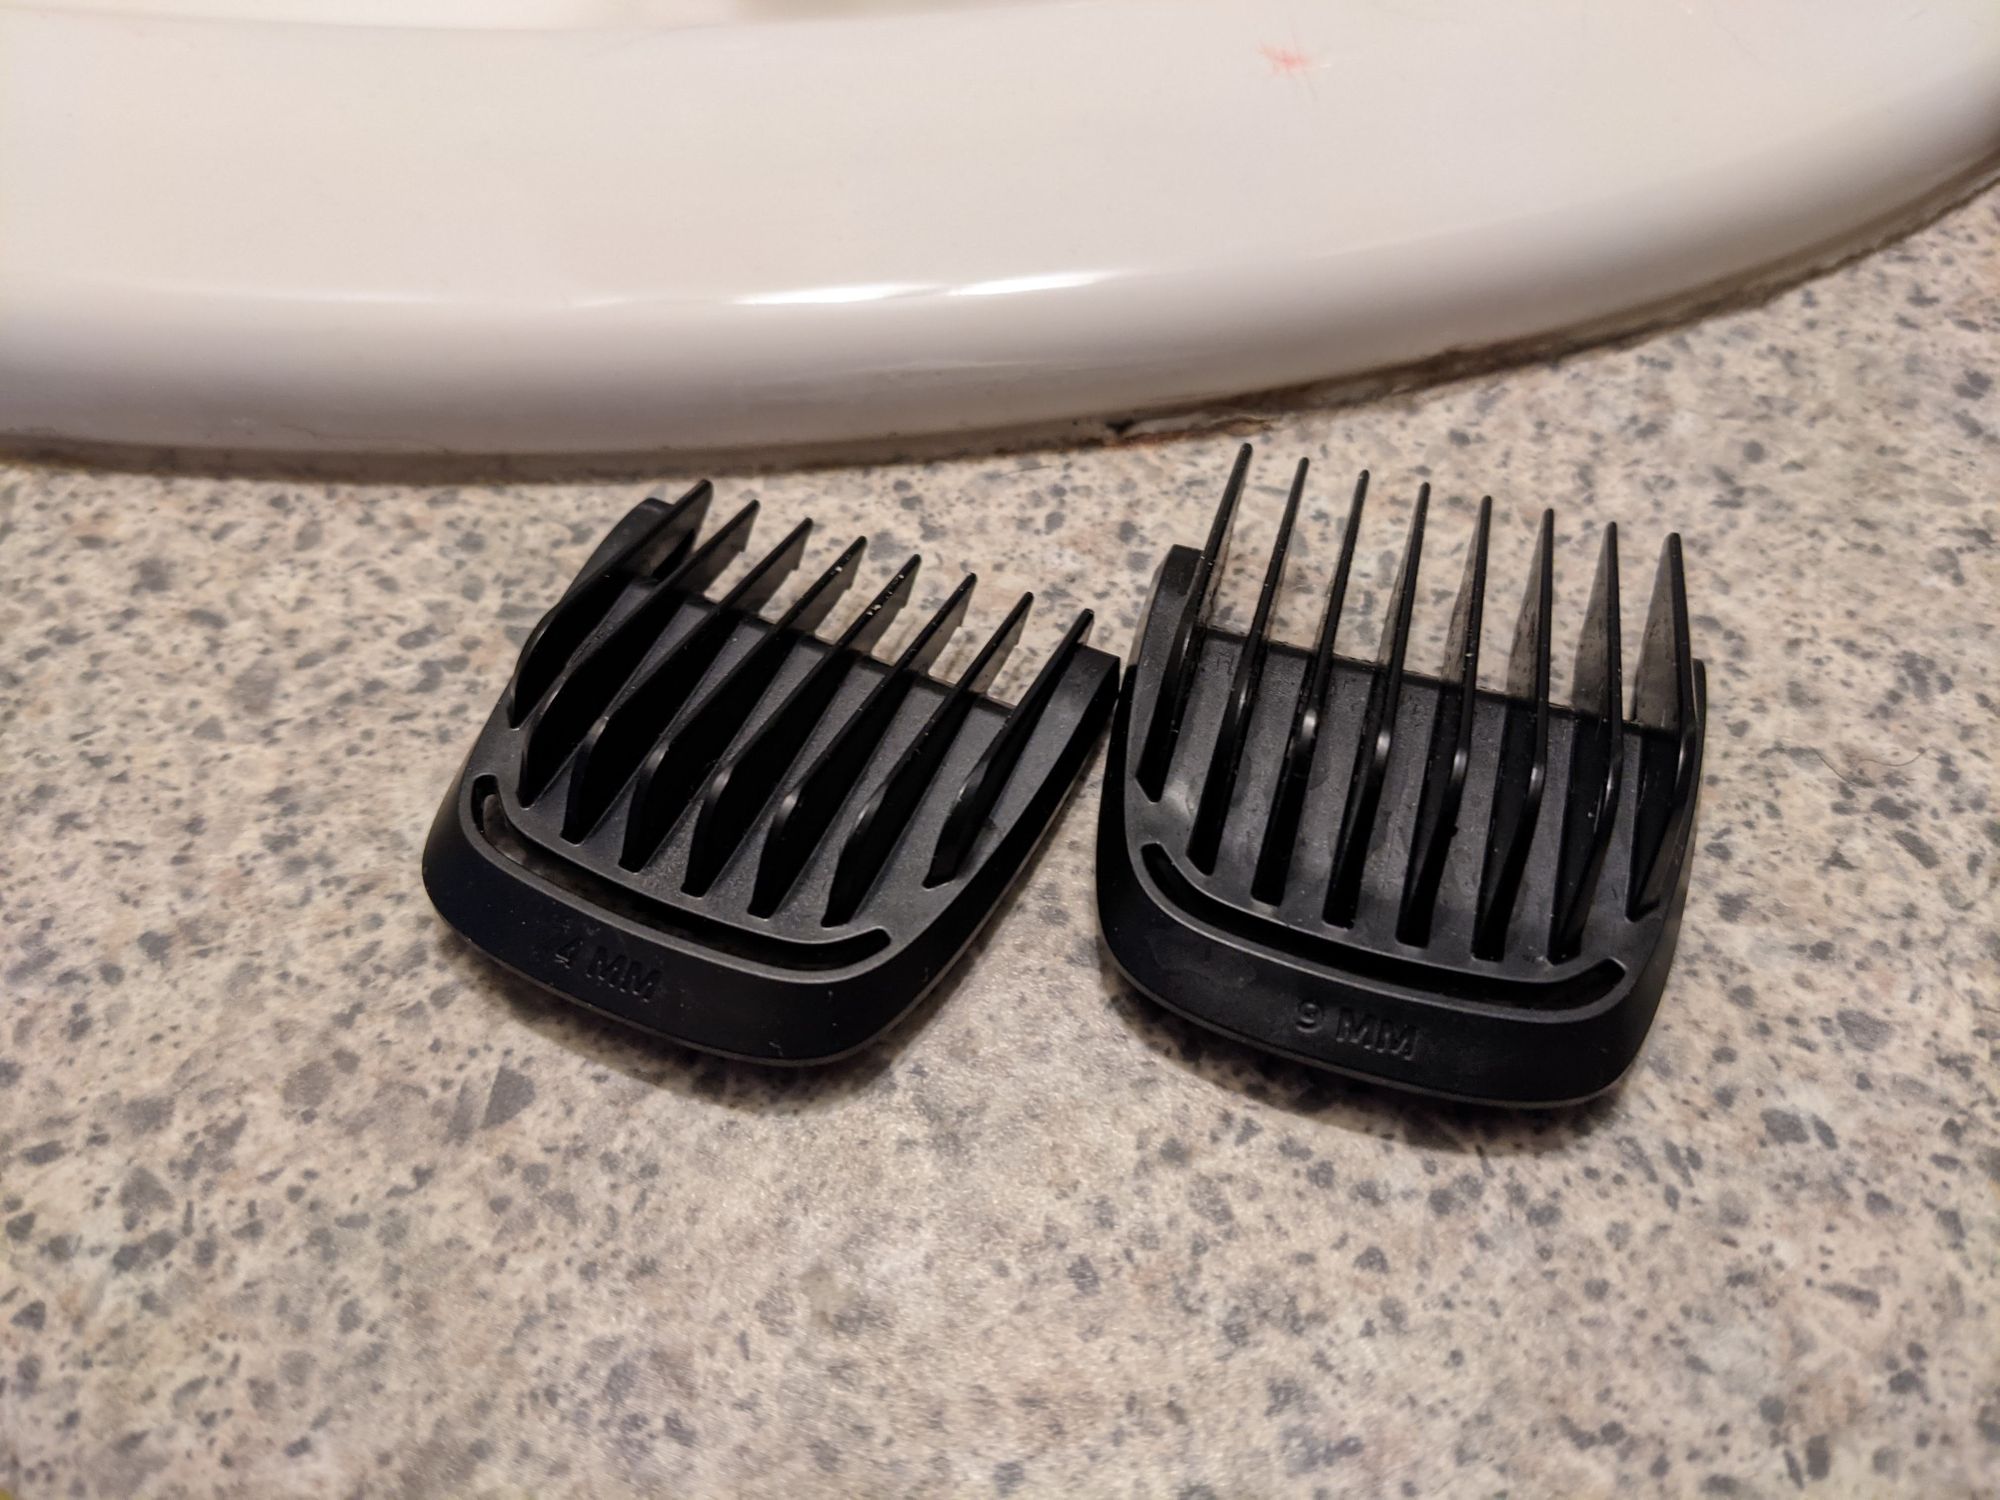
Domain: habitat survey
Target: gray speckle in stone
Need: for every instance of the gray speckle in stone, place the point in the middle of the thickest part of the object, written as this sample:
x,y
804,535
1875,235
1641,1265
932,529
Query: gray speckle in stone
x,y
254,690
1207,1199
149,1114
307,1085
141,1194
1865,1031
299,1195
511,1093
1784,1127
1919,847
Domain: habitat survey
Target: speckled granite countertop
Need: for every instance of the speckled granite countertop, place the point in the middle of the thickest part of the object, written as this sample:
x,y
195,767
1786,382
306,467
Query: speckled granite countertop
x,y
301,1197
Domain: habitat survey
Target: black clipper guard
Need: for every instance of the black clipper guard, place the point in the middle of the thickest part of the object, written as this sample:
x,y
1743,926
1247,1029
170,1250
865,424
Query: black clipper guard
x,y
1400,877
726,831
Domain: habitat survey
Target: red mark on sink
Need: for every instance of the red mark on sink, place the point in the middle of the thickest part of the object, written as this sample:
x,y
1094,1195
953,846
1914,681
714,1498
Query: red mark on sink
x,y
1286,62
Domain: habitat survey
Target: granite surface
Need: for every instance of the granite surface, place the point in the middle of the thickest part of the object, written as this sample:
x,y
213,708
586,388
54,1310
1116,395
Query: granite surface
x,y
301,1197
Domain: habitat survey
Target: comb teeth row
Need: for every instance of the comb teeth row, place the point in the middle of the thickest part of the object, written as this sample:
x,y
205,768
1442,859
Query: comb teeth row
x,y
1517,768
653,701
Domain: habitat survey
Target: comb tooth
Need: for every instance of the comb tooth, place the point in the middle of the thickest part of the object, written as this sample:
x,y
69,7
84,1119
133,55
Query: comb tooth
x,y
1156,752
754,589
652,539
1378,733
618,741
1281,830
808,809
1451,745
981,793
1666,709
1596,758
677,766
745,781
1219,786
883,819
576,700
1524,755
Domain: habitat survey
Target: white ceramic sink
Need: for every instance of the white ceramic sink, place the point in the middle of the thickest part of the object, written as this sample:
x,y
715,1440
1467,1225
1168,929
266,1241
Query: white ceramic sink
x,y
563,225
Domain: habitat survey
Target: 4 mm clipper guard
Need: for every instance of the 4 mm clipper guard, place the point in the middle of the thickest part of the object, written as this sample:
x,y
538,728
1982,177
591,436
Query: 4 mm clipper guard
x,y
1404,877
729,832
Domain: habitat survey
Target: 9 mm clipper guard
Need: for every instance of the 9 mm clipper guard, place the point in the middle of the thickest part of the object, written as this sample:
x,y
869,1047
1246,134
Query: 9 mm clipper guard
x,y
1401,877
